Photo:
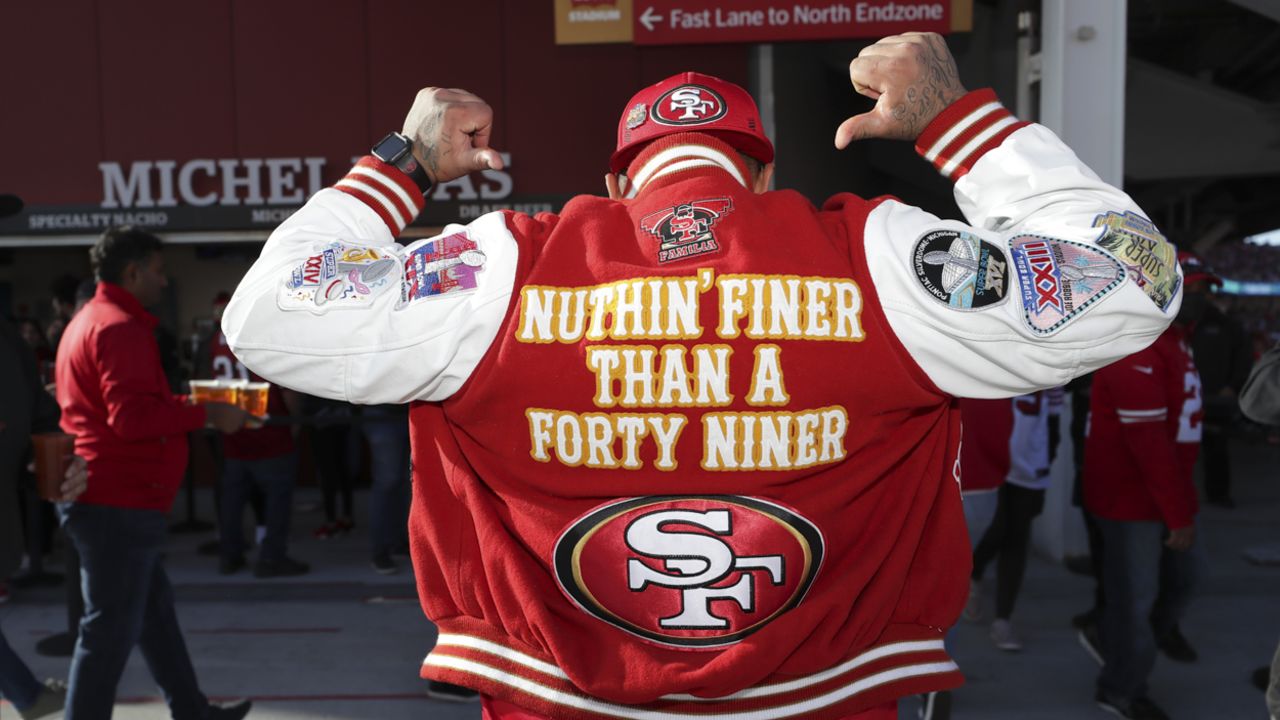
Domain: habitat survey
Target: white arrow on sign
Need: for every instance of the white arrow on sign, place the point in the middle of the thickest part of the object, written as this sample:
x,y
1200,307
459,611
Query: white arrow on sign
x,y
649,17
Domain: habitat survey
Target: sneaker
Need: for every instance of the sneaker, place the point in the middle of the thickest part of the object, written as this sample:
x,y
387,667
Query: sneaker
x,y
1175,646
50,701
384,565
231,711
284,567
1091,642
231,565
326,531
1003,635
59,645
1140,708
345,525
935,706
448,692
973,608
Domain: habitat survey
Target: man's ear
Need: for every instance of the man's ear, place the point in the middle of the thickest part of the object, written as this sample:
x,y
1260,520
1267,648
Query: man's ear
x,y
615,185
129,275
761,184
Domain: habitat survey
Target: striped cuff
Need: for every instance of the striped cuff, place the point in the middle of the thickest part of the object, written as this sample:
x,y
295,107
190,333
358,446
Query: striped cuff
x,y
965,131
387,191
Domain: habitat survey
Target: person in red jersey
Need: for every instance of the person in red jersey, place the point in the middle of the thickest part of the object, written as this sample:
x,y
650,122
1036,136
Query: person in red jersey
x,y
1140,455
261,459
691,448
132,432
1009,444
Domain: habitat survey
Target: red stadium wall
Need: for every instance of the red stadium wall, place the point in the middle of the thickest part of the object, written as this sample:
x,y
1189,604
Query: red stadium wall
x,y
127,81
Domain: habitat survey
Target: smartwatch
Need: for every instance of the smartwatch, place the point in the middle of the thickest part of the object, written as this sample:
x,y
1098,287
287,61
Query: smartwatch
x,y
396,149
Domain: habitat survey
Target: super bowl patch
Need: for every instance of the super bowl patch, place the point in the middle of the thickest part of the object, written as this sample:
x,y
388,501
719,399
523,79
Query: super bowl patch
x,y
339,275
1151,261
441,266
684,231
1059,280
960,270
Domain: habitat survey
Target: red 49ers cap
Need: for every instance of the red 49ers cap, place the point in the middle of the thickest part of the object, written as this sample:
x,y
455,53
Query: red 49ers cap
x,y
691,102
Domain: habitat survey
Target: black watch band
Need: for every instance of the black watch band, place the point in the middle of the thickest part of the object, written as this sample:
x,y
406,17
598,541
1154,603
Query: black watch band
x,y
396,149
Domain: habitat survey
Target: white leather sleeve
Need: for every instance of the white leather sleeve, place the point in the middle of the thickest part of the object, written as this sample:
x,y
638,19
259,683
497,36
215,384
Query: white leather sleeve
x,y
1069,275
334,307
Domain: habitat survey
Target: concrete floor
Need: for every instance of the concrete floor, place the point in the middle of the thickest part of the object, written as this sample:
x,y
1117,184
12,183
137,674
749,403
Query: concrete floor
x,y
345,642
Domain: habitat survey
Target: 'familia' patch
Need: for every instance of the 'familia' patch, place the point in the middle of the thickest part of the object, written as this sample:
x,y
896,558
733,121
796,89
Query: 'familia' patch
x,y
684,231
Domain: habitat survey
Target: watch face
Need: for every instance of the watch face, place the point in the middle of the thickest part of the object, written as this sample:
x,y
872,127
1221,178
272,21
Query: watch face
x,y
391,148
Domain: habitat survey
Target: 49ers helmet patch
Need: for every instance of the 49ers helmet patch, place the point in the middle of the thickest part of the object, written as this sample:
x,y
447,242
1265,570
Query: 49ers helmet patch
x,y
684,231
689,571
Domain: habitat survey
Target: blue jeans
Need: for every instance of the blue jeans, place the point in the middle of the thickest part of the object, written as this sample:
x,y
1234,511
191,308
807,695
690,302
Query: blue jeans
x,y
387,430
127,601
17,684
274,477
1148,588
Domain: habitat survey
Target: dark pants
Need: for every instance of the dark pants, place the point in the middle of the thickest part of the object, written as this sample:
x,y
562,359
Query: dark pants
x,y
273,477
1096,554
128,601
71,587
1214,448
1008,536
388,436
17,684
328,448
1148,588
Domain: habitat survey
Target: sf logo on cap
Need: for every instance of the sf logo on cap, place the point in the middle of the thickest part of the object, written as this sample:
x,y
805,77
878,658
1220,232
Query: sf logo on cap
x,y
688,105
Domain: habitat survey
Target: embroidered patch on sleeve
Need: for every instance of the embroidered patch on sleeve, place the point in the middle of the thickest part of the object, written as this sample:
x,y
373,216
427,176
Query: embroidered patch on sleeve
x,y
684,231
339,275
1059,280
960,270
440,266
1151,261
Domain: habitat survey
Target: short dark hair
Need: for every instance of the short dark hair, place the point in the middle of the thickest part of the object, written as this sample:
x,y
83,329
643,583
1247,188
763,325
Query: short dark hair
x,y
86,289
118,247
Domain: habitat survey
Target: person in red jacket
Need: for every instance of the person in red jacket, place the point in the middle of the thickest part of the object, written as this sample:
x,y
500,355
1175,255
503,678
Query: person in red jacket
x,y
132,431
1140,454
691,449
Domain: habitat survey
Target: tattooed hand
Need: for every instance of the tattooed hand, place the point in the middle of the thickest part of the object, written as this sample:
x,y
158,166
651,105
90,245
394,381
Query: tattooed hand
x,y
911,76
450,130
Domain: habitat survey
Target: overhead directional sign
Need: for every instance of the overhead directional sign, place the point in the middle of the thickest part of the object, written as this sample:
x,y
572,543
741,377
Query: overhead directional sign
x,y
676,22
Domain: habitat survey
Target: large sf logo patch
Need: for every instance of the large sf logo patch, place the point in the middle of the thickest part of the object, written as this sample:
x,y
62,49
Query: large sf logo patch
x,y
688,105
689,571
684,231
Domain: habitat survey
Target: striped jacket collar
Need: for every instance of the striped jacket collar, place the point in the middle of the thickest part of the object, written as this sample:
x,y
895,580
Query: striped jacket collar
x,y
680,153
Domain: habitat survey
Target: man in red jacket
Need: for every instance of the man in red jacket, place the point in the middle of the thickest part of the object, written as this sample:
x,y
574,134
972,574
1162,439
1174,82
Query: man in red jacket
x,y
132,431
690,450
1140,454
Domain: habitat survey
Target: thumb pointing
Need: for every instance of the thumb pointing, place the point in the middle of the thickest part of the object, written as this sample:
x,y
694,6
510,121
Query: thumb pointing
x,y
859,127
